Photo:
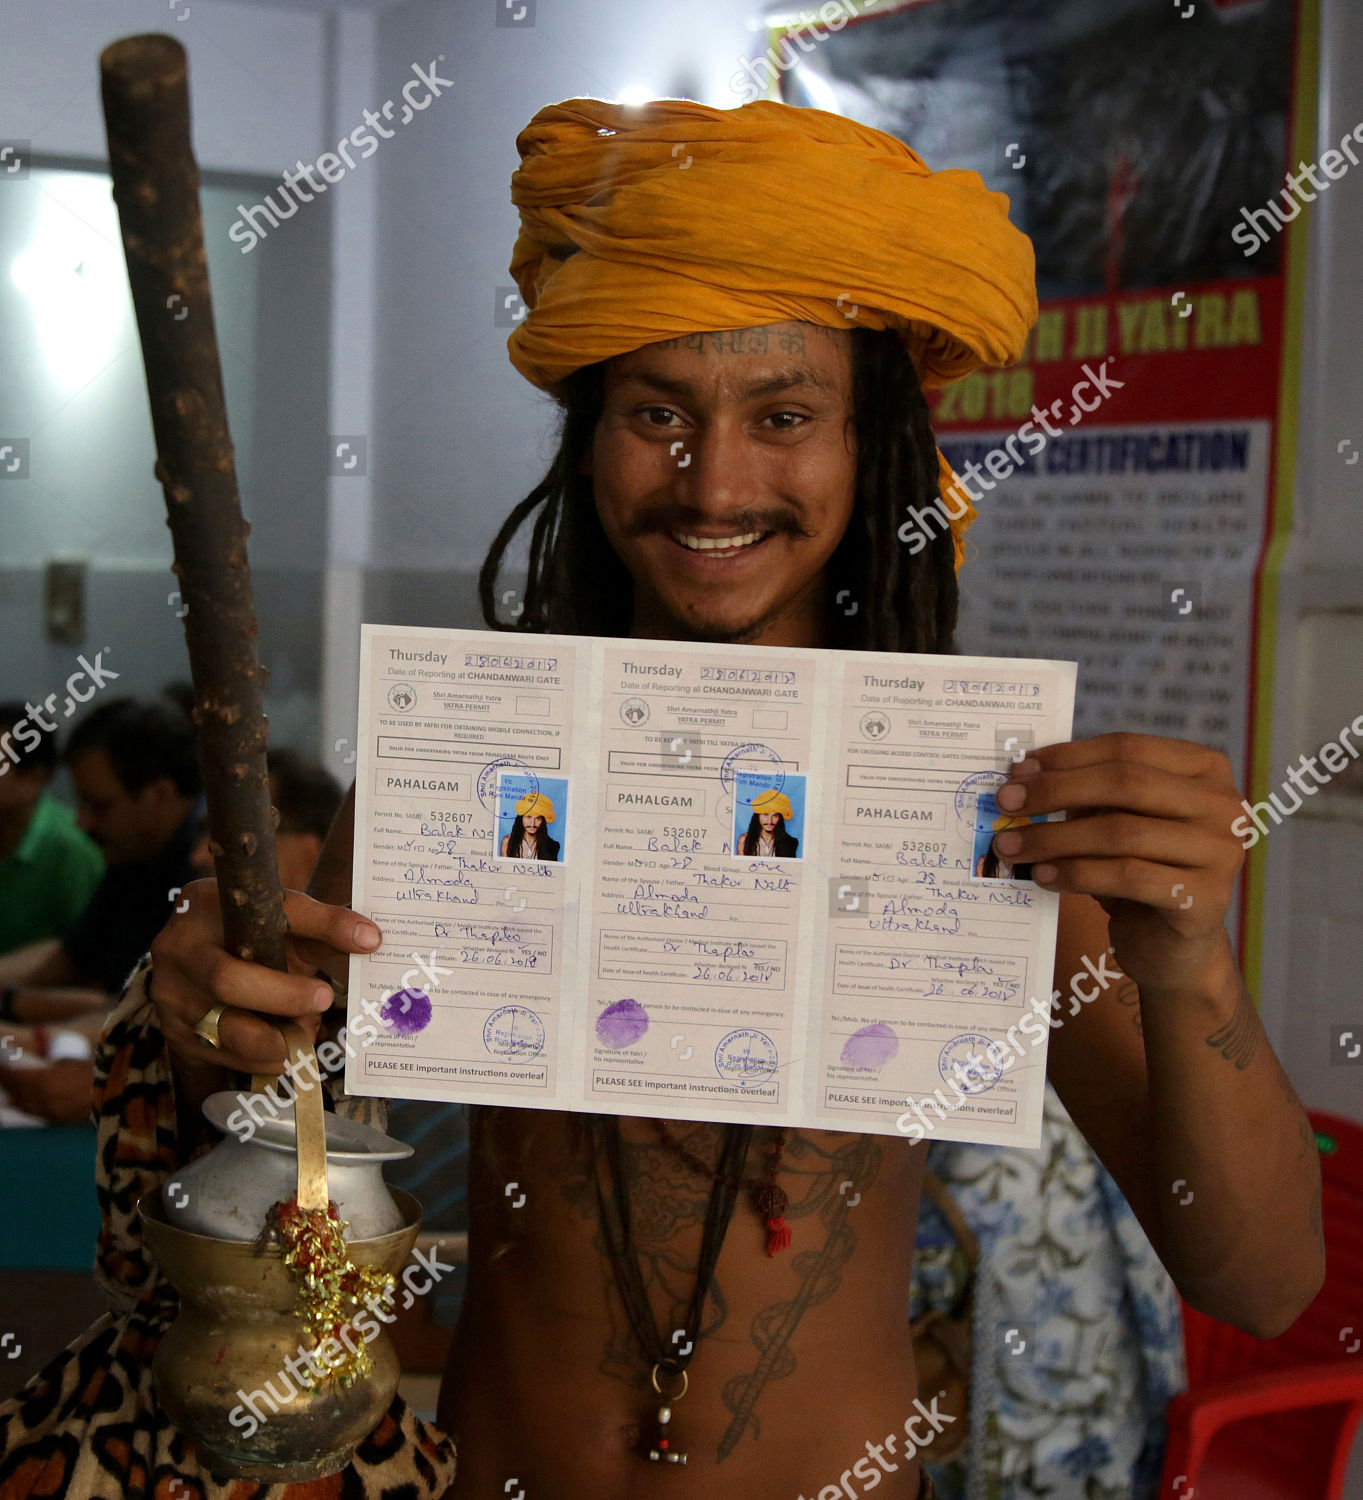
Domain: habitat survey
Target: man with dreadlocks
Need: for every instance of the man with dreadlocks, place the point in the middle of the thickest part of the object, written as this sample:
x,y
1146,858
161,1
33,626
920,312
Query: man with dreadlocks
x,y
737,312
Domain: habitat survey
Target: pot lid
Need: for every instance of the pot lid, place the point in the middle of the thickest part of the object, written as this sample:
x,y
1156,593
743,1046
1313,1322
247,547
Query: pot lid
x,y
347,1140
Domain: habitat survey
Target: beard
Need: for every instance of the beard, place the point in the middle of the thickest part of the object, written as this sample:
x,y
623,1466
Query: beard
x,y
716,631
728,619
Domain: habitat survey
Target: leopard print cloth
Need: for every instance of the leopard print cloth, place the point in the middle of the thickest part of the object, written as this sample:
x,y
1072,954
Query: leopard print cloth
x,y
88,1426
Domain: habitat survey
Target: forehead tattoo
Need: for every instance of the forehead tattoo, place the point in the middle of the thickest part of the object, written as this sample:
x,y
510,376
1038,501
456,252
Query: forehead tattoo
x,y
789,340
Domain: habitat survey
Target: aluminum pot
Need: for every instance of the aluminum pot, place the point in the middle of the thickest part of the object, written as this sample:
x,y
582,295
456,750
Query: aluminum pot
x,y
228,1191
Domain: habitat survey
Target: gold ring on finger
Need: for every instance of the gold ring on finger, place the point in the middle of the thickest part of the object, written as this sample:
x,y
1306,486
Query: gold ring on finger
x,y
207,1028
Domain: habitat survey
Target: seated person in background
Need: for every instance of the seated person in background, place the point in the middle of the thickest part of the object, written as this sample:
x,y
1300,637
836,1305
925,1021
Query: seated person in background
x,y
181,694
306,795
137,784
90,1424
49,868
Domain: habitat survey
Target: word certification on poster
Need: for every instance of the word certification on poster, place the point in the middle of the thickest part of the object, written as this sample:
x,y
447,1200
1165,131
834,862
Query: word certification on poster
x,y
701,882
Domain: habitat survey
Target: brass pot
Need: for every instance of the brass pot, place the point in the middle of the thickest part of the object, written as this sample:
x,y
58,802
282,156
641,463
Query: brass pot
x,y
222,1371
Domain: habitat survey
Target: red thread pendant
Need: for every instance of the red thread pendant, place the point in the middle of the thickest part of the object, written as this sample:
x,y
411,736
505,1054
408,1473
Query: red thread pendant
x,y
778,1235
771,1202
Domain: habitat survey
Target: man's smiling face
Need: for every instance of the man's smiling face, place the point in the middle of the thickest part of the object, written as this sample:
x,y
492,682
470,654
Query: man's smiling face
x,y
724,468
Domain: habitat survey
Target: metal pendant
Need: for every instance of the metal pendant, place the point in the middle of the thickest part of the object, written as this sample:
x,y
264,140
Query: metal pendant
x,y
662,1451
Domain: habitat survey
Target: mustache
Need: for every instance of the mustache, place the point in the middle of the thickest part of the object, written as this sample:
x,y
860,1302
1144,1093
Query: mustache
x,y
667,517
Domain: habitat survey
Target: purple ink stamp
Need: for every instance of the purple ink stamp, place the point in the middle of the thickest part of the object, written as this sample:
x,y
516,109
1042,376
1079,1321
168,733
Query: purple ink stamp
x,y
407,1011
621,1024
871,1047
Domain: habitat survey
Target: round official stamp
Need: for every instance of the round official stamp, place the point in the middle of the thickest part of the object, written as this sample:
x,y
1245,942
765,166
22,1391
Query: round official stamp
x,y
746,1056
875,724
487,780
969,790
634,711
402,697
755,758
514,1032
970,1062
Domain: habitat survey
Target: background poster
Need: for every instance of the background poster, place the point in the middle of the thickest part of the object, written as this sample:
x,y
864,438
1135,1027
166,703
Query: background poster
x,y
1134,138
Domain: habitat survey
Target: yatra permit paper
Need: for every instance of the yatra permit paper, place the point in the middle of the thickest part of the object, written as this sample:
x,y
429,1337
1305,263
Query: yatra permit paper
x,y
700,881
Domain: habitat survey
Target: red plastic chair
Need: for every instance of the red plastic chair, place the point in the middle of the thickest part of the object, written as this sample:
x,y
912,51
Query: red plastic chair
x,y
1274,1419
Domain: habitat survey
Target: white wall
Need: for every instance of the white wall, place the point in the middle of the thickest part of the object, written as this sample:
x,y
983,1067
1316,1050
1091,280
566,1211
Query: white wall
x,y
1313,937
256,74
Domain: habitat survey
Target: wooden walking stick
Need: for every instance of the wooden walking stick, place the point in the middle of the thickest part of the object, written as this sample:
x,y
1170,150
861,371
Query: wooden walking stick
x,y
145,88
156,188
234,1298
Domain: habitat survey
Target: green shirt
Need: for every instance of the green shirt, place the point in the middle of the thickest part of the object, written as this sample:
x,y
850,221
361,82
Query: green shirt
x,y
48,881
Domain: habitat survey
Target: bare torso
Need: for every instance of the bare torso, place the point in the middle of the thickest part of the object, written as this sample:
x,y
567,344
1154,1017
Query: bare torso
x,y
803,1359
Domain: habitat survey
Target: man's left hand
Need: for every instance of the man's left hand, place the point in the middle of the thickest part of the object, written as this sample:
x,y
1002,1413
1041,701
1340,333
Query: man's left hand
x,y
1147,833
58,1092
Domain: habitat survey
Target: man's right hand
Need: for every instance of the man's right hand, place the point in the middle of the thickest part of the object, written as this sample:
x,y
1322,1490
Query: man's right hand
x,y
192,972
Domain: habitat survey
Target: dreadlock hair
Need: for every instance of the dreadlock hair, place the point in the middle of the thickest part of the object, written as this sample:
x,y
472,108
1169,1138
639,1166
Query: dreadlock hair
x,y
576,584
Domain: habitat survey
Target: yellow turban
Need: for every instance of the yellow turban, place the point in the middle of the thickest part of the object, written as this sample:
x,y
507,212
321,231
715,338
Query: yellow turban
x,y
640,223
535,805
772,801
1010,820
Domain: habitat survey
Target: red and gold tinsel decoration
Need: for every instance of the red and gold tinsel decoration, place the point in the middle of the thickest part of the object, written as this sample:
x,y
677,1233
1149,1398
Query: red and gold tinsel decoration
x,y
333,1287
